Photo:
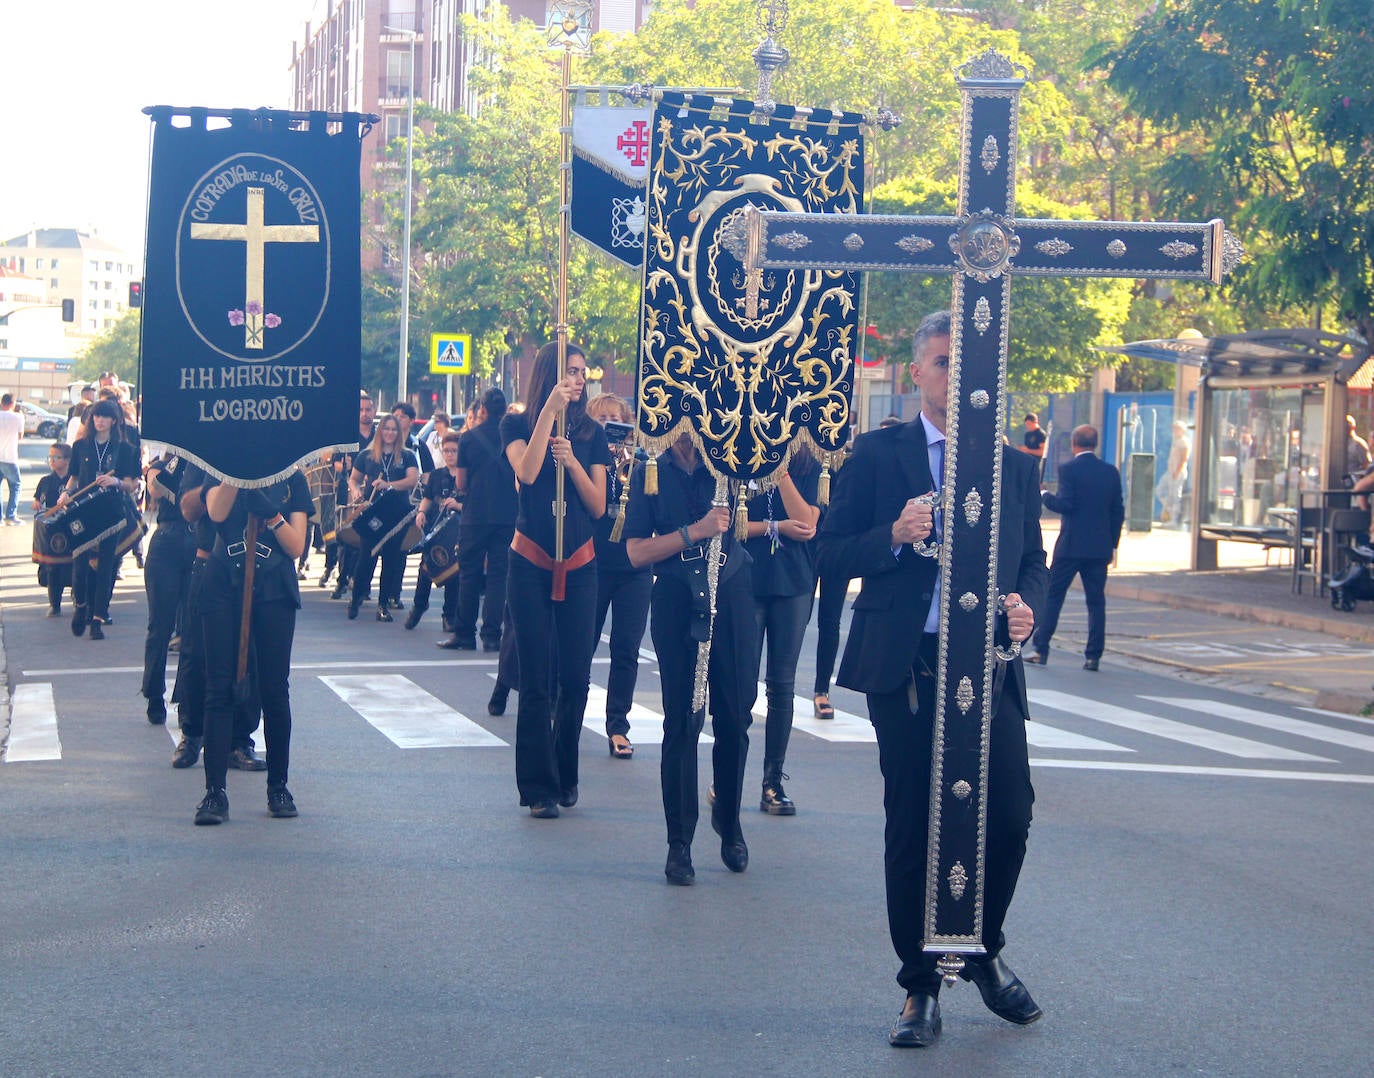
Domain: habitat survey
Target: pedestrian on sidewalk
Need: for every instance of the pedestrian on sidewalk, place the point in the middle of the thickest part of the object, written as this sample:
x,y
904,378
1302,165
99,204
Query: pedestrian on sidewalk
x,y
11,430
1089,501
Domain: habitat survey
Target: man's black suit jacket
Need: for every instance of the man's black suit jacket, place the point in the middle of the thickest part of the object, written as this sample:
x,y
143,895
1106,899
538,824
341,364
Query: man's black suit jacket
x,y
888,468
1089,500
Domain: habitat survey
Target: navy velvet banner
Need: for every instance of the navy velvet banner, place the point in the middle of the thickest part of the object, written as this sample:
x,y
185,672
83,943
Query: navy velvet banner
x,y
251,312
754,365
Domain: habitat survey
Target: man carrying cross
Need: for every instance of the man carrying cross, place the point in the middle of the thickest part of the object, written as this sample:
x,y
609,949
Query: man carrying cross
x,y
874,525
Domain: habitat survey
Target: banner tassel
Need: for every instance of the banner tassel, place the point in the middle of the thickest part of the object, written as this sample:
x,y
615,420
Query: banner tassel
x,y
823,484
651,475
618,528
742,518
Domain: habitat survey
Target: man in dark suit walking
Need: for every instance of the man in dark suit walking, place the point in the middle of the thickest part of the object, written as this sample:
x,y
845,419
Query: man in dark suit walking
x,y
892,654
1089,501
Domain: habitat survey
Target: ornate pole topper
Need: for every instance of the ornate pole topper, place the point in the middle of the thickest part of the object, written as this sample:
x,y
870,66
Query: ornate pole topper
x,y
251,338
982,246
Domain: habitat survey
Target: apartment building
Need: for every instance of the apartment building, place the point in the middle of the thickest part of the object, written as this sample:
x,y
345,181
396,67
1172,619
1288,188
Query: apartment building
x,y
79,266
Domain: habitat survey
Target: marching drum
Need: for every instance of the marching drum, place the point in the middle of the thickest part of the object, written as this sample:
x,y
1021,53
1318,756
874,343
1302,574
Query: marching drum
x,y
322,493
376,522
87,519
439,548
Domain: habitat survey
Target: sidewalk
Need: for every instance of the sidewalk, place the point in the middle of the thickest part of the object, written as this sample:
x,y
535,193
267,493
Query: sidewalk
x,y
1242,624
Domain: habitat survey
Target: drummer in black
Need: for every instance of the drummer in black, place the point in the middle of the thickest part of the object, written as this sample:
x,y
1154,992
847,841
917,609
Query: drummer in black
x,y
56,577
284,510
672,531
166,577
345,556
386,473
100,456
552,601
440,496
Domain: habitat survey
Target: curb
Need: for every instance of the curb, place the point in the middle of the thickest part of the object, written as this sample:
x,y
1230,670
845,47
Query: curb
x,y
1284,619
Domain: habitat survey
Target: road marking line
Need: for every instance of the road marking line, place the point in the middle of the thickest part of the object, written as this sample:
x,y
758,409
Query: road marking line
x,y
1337,714
33,725
1302,728
646,726
1051,737
353,664
845,727
1167,728
407,715
1185,769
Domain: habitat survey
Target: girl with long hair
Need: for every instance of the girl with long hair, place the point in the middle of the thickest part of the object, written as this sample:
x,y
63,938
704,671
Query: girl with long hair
x,y
387,470
553,603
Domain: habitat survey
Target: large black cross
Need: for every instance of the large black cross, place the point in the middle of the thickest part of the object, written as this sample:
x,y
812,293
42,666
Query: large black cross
x,y
982,246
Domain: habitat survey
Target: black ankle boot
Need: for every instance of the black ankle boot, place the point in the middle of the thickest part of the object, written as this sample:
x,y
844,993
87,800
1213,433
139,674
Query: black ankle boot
x,y
774,800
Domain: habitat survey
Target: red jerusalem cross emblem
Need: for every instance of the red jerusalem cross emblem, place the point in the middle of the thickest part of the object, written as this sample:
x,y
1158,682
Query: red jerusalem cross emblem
x,y
634,142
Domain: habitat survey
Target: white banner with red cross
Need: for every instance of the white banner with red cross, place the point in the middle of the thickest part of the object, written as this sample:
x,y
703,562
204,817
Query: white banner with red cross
x,y
610,171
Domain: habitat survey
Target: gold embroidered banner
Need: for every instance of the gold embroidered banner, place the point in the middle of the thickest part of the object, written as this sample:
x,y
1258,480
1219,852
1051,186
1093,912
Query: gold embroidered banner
x,y
756,364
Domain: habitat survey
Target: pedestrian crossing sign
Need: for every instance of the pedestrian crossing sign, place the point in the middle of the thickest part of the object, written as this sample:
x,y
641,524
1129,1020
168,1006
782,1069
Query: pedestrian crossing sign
x,y
450,353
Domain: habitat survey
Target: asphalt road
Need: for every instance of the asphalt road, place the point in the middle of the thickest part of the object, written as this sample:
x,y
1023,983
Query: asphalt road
x,y
1195,898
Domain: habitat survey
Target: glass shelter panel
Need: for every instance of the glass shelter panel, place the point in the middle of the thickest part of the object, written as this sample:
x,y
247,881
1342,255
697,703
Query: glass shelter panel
x,y
1266,449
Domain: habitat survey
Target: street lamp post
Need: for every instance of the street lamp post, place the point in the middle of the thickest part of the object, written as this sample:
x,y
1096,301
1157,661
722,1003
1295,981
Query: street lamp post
x,y
401,391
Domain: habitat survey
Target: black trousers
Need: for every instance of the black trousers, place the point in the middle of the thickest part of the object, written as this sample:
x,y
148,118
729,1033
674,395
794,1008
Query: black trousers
x,y
904,754
166,580
272,634
781,622
829,610
547,729
189,691
1093,573
732,685
366,566
626,596
92,588
424,586
58,578
483,556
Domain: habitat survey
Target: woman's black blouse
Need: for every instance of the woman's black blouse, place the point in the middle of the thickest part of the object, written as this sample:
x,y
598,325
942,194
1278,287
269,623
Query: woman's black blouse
x,y
535,517
90,458
274,579
791,568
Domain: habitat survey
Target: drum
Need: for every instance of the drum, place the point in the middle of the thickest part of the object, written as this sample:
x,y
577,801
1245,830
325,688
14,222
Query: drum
x,y
439,548
43,555
88,518
378,521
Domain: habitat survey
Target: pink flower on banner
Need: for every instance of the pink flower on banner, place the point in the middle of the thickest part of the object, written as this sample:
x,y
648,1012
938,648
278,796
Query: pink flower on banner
x,y
253,307
272,321
236,317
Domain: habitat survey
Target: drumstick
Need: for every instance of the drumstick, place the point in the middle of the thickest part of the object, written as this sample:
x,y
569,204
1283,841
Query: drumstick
x,y
242,690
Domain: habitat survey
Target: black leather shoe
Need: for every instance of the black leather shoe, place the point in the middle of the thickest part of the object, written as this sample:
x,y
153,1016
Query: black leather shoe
x,y
734,853
353,611
679,868
544,810
1001,990
1090,664
157,712
413,618
243,758
187,752
1039,658
79,619
280,804
497,704
454,644
569,797
383,614
918,1026
394,604
339,589
97,632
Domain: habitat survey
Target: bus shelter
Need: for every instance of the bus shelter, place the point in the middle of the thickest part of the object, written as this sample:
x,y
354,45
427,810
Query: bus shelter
x,y
1271,443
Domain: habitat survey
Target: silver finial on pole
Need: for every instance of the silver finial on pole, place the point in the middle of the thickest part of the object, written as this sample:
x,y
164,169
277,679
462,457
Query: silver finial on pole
x,y
769,57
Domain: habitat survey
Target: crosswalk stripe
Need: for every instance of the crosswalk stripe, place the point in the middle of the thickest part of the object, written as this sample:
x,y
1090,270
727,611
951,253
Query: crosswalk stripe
x,y
646,725
406,714
844,727
1051,737
1189,769
1145,723
1301,727
33,725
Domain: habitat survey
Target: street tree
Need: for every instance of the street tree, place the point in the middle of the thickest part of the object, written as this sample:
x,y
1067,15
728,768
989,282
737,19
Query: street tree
x,y
115,349
1274,100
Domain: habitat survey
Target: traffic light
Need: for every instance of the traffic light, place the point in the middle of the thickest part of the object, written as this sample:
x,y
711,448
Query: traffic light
x,y
69,310
135,293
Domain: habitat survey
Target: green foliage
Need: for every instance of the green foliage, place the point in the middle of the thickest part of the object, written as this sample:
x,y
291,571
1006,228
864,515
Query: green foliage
x,y
116,349
1277,98
1054,323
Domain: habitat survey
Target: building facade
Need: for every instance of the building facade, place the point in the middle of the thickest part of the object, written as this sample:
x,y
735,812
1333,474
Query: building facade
x,y
80,266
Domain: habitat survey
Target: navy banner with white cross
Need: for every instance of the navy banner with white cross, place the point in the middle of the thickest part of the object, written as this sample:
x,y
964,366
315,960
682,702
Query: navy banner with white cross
x,y
251,334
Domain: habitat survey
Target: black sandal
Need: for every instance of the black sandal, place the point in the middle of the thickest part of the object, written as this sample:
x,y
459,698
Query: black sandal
x,y
624,751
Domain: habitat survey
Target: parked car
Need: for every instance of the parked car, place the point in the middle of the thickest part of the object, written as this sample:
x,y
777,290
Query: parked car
x,y
41,422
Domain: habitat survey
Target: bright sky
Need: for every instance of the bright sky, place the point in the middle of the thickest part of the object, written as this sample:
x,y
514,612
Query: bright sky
x,y
77,74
